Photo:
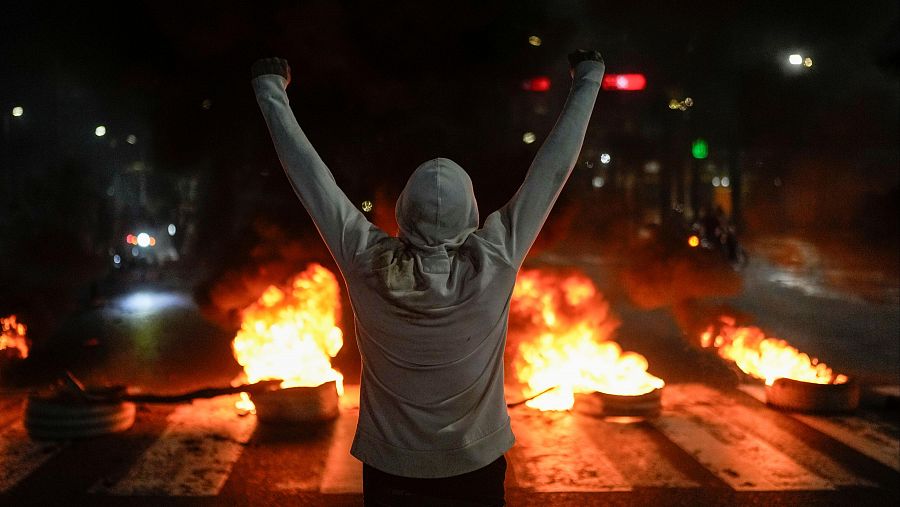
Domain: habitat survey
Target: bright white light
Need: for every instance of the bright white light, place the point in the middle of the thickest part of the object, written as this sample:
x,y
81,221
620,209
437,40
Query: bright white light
x,y
143,239
528,137
795,59
716,181
117,259
100,131
725,181
131,139
171,229
807,62
143,302
18,111
605,158
598,181
621,82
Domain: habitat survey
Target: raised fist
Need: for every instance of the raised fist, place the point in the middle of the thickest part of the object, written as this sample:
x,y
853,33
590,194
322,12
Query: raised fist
x,y
580,55
277,66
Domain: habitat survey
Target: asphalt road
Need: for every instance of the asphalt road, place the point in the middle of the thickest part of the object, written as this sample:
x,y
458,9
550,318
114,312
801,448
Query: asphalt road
x,y
714,443
708,447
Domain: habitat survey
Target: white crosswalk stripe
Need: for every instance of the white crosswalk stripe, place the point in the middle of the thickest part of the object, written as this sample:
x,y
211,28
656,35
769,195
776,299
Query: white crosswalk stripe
x,y
875,439
552,454
746,445
20,456
727,446
634,453
343,472
194,456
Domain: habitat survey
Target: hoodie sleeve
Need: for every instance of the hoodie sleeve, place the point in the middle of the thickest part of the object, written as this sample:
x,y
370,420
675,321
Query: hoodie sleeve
x,y
343,227
516,225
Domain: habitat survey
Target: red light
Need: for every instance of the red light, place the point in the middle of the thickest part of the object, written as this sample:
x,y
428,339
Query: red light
x,y
536,84
627,82
130,239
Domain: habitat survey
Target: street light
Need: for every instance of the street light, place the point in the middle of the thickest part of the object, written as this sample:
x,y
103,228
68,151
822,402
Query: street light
x,y
797,59
18,111
100,131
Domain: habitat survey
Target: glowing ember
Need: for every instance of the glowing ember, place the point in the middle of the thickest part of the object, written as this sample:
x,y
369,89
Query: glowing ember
x,y
562,326
766,358
291,333
13,342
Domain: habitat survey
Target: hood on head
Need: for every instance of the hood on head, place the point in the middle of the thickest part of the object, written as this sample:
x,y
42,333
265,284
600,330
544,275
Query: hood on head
x,y
437,207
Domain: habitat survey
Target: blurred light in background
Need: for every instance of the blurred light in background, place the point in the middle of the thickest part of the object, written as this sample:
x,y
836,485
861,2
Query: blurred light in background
x,y
206,104
681,105
725,181
131,139
171,229
624,82
135,251
807,62
18,111
367,206
117,259
536,84
605,158
100,131
716,181
534,40
693,241
598,181
151,301
795,59
528,137
143,239
652,167
699,148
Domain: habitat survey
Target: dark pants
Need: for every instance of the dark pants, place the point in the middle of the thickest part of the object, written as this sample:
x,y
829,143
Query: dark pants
x,y
481,488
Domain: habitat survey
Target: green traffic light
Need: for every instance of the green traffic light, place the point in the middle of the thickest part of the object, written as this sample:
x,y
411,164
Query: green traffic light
x,y
699,148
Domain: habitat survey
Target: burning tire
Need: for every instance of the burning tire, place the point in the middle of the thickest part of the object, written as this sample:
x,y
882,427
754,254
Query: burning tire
x,y
615,405
298,404
59,418
792,394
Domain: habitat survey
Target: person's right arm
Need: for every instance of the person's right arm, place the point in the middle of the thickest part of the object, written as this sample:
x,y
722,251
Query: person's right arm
x,y
343,227
517,224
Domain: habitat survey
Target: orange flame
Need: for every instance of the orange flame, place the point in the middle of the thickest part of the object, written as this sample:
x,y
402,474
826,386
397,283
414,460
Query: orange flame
x,y
562,326
291,333
766,358
13,341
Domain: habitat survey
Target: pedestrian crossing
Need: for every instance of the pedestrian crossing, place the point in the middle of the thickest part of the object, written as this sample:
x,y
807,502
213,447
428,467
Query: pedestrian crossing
x,y
876,439
703,438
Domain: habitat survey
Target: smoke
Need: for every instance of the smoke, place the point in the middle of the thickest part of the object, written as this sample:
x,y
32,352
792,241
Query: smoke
x,y
273,257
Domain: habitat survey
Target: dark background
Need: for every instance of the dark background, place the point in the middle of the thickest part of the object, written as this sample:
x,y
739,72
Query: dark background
x,y
380,87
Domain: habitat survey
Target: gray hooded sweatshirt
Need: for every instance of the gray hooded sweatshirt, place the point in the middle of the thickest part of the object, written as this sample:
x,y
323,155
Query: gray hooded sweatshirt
x,y
431,306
